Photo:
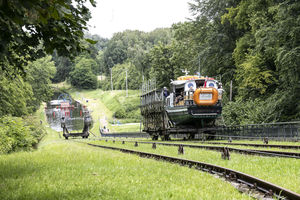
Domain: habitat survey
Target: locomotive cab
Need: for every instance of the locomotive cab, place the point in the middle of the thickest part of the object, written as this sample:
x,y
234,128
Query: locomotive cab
x,y
194,101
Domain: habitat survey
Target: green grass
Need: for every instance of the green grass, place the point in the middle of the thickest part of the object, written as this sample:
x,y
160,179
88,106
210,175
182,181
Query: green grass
x,y
282,171
74,171
62,169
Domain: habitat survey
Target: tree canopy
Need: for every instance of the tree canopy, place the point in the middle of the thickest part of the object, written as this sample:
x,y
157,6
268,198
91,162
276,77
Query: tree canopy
x,y
31,27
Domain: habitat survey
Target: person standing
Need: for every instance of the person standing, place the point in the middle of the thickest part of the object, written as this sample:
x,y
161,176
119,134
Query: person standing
x,y
166,92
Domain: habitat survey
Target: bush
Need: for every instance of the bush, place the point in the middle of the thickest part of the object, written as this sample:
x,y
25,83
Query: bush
x,y
120,113
19,134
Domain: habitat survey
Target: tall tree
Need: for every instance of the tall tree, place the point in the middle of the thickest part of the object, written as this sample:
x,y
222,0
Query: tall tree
x,y
15,93
82,76
39,74
162,67
268,52
63,67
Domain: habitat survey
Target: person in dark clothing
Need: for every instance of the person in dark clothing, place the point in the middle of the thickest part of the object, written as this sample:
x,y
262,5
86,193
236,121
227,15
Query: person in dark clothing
x,y
166,92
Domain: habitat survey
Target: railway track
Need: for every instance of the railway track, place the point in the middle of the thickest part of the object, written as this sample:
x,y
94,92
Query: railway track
x,y
236,150
143,135
235,177
242,151
258,145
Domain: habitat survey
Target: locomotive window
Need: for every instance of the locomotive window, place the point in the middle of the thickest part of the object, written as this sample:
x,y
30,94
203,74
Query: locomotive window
x,y
200,83
211,85
179,91
190,85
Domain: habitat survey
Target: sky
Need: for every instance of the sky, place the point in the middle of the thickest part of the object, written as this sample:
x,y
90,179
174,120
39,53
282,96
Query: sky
x,y
112,16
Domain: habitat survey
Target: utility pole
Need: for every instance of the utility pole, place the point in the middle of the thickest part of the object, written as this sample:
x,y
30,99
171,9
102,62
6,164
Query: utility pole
x,y
126,85
199,67
111,83
230,95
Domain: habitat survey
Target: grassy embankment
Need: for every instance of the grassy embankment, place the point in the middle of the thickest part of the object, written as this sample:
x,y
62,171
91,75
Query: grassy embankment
x,y
281,171
62,169
105,105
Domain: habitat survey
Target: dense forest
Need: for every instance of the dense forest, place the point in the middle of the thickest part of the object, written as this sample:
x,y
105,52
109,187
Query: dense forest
x,y
253,43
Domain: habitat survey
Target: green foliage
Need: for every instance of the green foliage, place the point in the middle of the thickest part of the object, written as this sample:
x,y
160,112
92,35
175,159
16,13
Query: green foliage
x,y
63,67
82,76
254,43
37,130
123,107
18,134
116,52
133,46
119,77
23,95
101,42
25,24
162,67
15,94
38,76
253,77
100,62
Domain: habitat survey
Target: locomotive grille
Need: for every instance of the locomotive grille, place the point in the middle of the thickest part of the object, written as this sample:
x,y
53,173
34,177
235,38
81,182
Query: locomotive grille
x,y
205,109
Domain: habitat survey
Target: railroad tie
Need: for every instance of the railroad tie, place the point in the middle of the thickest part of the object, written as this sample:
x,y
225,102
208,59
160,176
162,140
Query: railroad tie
x,y
154,146
180,149
266,140
225,154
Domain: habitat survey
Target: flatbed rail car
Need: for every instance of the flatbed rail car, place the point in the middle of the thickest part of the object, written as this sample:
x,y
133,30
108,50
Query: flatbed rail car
x,y
191,107
155,120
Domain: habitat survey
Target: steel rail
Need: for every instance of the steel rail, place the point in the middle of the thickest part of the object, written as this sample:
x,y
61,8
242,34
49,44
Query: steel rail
x,y
282,154
257,145
242,151
143,135
232,175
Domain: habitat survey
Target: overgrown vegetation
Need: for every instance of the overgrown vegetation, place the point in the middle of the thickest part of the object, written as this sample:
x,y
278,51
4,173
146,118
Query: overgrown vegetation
x,y
24,95
18,134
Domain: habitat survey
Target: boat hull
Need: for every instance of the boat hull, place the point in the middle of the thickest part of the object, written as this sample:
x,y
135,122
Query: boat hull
x,y
198,116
